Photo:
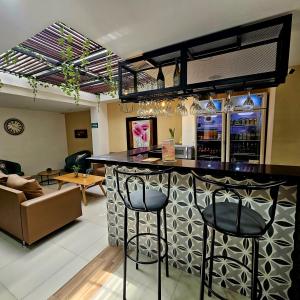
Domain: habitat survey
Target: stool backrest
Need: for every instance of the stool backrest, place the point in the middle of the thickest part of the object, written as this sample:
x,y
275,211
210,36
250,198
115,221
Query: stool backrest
x,y
234,188
141,178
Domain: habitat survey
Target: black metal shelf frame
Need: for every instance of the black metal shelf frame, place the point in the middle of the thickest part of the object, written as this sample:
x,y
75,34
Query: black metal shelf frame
x,y
274,32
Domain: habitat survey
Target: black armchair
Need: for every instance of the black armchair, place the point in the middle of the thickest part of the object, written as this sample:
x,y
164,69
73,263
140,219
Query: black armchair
x,y
10,167
78,159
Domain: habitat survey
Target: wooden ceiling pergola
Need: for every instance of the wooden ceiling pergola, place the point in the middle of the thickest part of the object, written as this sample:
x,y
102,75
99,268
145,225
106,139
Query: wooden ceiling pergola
x,y
40,57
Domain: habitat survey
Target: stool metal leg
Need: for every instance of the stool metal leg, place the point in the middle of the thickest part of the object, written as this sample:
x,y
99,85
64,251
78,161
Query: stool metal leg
x,y
137,217
211,261
158,257
167,246
203,262
255,253
125,252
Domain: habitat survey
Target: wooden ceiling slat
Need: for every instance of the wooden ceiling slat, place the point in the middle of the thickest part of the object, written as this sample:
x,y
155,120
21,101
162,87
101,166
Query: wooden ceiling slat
x,y
46,43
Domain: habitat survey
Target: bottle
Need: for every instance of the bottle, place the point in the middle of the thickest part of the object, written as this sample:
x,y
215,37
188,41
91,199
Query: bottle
x,y
160,79
176,75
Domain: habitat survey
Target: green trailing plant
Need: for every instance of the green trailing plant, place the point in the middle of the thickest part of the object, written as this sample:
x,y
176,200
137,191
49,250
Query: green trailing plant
x,y
33,82
10,57
113,85
85,53
172,133
71,85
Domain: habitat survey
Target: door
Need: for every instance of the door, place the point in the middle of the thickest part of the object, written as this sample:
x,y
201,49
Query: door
x,y
246,131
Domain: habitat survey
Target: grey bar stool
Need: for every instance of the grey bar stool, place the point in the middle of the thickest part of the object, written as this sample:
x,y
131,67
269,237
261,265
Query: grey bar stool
x,y
234,219
144,201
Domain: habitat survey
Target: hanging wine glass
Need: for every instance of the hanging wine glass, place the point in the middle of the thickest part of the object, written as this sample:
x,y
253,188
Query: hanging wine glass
x,y
181,108
196,109
139,111
249,103
169,108
228,105
210,106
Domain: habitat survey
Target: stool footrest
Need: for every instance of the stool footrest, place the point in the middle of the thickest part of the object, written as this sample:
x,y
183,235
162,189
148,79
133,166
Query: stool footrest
x,y
145,262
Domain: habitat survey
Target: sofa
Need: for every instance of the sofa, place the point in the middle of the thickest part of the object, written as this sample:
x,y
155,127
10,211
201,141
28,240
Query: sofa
x,y
78,159
31,220
10,167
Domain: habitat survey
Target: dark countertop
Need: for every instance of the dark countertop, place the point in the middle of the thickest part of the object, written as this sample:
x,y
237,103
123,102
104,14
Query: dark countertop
x,y
135,157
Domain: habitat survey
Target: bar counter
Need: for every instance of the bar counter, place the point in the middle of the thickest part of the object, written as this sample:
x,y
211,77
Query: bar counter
x,y
279,264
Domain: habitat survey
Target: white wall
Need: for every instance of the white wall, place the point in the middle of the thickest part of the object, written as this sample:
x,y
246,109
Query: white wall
x,y
100,134
43,143
189,127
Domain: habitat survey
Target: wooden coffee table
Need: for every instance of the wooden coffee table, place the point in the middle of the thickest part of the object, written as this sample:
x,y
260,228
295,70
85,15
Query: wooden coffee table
x,y
83,182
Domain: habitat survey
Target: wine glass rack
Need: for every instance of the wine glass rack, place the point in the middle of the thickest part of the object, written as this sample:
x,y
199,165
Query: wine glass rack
x,y
248,56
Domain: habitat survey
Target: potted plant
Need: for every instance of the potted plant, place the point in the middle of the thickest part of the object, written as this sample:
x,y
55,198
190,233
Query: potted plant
x,y
172,133
76,170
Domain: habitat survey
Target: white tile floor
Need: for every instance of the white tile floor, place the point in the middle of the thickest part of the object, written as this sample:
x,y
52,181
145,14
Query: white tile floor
x,y
39,271
142,285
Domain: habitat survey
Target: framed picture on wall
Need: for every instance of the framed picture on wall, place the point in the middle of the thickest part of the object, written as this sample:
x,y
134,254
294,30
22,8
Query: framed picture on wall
x,y
141,132
81,133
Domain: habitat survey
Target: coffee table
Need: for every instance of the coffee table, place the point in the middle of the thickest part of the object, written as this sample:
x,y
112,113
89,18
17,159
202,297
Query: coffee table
x,y
49,176
83,182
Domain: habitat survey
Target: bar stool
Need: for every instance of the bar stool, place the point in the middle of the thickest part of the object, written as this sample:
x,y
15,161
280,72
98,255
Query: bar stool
x,y
234,219
145,200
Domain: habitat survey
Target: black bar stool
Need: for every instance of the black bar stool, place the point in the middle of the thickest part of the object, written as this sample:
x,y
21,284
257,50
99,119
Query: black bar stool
x,y
234,219
144,200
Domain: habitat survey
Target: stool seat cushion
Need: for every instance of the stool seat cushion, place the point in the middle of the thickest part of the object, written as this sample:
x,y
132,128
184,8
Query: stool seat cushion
x,y
155,200
252,223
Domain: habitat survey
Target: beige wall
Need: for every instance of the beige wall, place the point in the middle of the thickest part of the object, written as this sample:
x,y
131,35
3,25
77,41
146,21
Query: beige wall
x,y
286,132
117,127
78,120
43,143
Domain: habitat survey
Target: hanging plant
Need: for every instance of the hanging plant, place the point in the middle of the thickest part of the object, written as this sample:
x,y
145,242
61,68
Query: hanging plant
x,y
9,57
71,85
113,85
33,82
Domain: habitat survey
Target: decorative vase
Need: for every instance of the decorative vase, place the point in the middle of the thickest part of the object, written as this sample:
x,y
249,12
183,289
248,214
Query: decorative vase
x,y
168,150
76,174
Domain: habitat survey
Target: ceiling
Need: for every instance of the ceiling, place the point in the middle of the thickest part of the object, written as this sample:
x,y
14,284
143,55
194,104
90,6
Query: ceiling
x,y
16,101
131,27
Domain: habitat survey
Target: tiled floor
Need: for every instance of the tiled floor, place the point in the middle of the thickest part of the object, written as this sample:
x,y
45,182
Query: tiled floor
x,y
39,271
142,285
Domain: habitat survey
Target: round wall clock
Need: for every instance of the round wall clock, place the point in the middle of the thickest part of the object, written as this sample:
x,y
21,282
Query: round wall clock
x,y
14,126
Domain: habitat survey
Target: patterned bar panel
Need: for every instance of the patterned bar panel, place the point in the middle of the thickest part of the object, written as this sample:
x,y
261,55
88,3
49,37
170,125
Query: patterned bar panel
x,y
184,227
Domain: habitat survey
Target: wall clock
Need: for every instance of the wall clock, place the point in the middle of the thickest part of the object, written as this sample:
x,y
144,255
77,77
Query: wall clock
x,y
14,126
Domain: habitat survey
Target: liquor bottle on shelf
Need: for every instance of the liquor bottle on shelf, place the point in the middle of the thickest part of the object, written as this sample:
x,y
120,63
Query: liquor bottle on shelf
x,y
160,79
176,75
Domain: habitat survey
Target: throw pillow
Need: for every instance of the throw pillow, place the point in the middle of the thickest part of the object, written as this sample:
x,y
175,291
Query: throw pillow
x,y
3,178
29,187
